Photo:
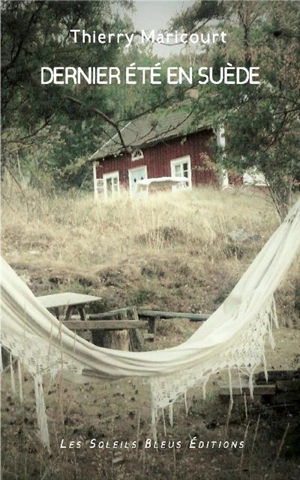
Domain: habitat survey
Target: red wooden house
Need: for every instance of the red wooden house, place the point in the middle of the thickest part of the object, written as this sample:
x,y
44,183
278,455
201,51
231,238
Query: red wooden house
x,y
167,144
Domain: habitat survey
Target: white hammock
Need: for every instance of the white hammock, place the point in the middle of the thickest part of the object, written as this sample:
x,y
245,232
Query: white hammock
x,y
232,337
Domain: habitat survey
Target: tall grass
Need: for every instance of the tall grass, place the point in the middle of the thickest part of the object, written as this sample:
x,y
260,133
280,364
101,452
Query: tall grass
x,y
169,250
75,230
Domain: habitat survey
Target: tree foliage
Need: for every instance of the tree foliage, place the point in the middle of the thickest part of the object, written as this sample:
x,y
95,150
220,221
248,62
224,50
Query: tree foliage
x,y
261,121
52,129
55,128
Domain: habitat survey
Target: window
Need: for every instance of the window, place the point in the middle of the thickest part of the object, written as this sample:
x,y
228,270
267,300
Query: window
x,y
137,154
181,167
111,185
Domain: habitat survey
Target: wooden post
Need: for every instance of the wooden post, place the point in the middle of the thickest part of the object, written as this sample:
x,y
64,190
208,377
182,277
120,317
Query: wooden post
x,y
152,325
135,335
124,339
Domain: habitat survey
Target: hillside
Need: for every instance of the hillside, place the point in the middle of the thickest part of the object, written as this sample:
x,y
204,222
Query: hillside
x,y
171,252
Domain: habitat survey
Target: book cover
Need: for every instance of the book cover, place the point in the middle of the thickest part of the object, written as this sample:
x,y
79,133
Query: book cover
x,y
149,150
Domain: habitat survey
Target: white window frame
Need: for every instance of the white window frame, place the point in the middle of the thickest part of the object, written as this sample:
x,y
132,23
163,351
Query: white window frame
x,y
179,161
137,154
95,180
114,192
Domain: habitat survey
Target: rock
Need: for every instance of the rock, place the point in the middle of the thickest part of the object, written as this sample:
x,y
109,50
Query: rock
x,y
242,236
118,458
26,278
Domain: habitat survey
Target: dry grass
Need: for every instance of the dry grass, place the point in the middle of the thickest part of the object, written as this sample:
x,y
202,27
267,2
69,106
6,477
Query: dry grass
x,y
96,234
169,252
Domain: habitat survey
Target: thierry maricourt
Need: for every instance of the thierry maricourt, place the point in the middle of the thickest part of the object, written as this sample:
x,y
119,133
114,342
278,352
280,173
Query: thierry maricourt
x,y
82,36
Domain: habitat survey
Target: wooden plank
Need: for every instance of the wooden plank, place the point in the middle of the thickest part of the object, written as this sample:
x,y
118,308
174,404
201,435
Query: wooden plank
x,y
112,314
288,385
104,325
274,375
152,325
258,390
145,314
149,336
193,317
66,299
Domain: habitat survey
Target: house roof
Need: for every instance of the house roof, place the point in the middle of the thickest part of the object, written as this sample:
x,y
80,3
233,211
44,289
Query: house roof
x,y
149,130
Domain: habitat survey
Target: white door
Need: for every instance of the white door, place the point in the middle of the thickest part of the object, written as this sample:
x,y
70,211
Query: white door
x,y
136,174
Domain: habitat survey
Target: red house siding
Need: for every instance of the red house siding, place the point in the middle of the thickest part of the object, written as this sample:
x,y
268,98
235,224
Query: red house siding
x,y
158,157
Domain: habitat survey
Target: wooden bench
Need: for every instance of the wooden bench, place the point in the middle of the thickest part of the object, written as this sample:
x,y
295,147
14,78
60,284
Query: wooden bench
x,y
125,323
120,329
153,316
261,390
282,388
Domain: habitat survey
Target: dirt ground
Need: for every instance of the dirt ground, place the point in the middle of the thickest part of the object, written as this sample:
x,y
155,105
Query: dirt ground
x,y
102,430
